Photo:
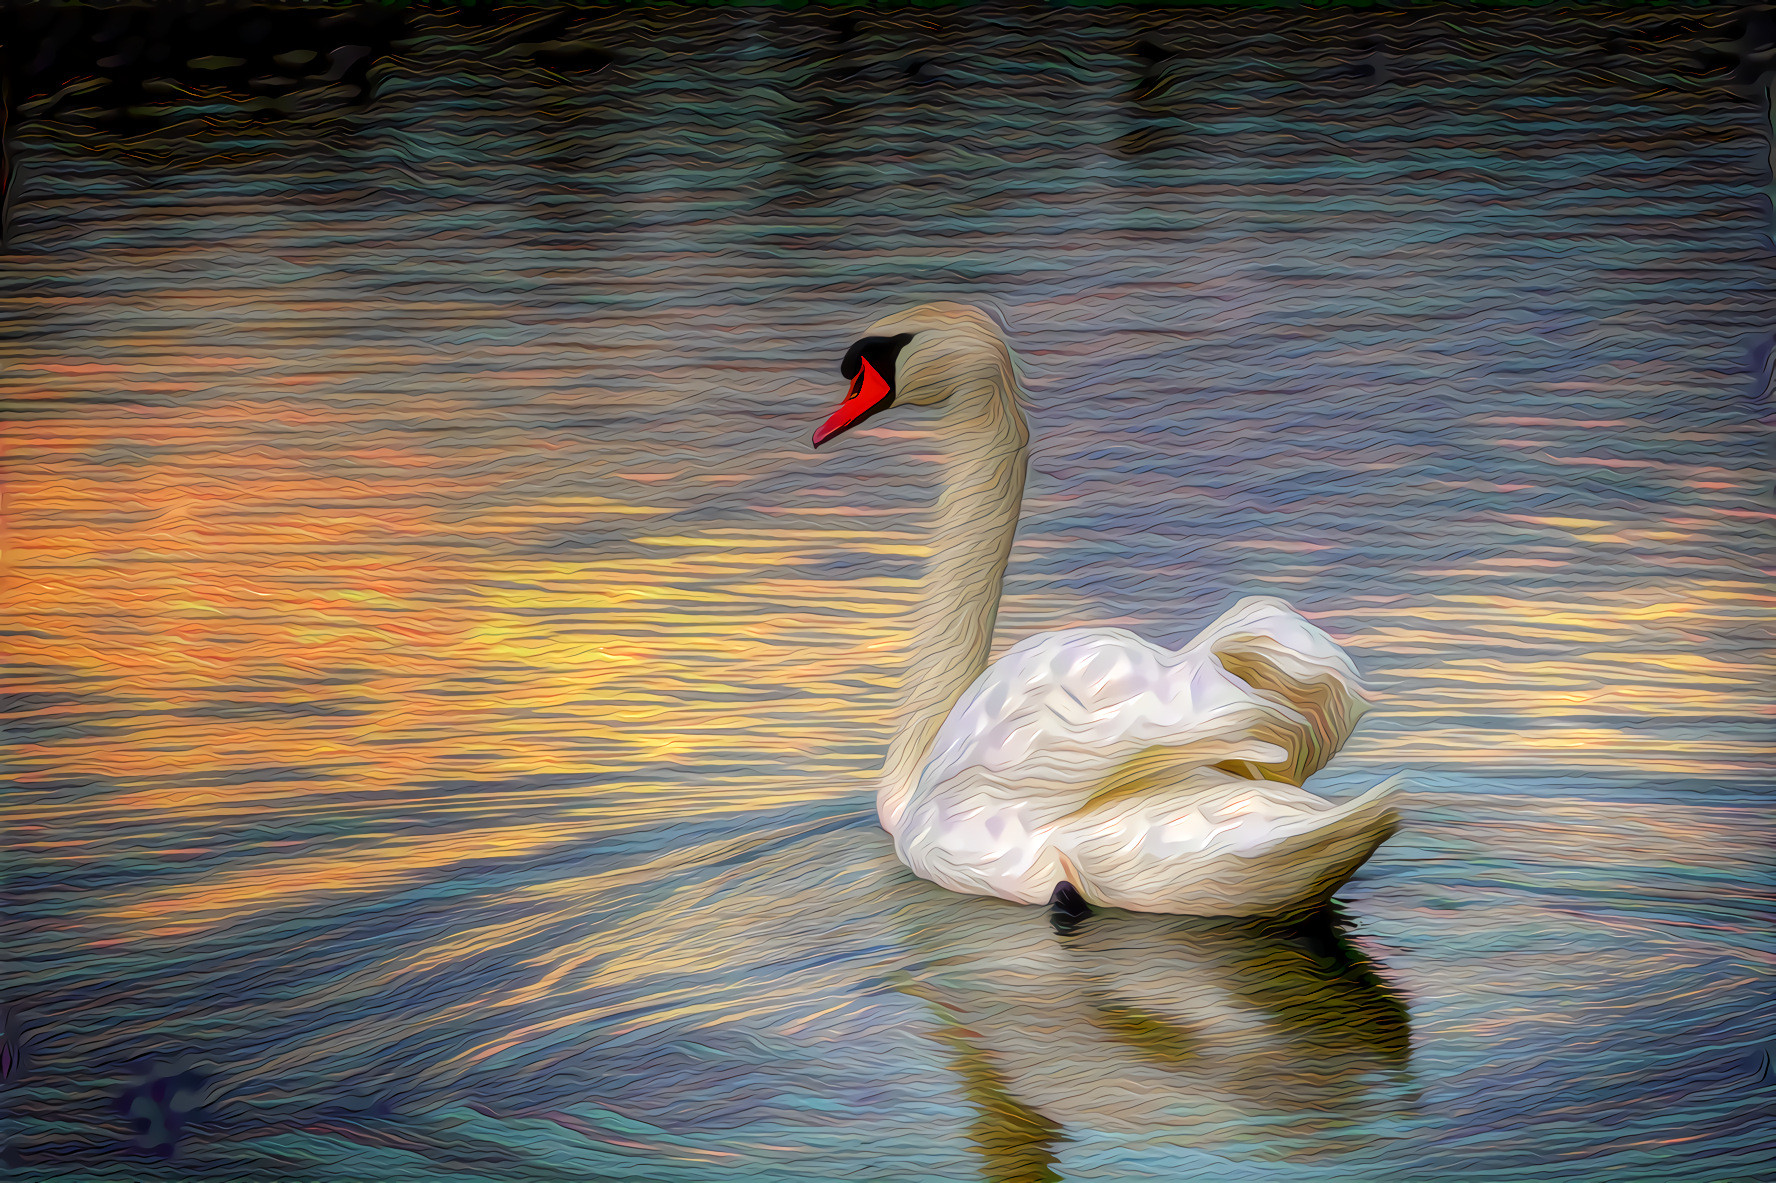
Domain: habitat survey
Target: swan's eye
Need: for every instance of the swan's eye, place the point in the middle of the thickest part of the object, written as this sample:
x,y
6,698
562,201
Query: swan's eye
x,y
879,351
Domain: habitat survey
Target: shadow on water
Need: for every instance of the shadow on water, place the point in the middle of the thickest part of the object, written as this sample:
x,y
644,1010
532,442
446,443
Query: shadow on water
x,y
1016,1143
1152,1024
831,100
1155,115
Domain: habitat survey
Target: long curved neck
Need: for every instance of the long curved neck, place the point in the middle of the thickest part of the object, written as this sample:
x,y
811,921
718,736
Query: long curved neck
x,y
987,446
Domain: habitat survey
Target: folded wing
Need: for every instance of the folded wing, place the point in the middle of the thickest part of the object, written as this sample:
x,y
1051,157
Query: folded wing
x,y
1092,754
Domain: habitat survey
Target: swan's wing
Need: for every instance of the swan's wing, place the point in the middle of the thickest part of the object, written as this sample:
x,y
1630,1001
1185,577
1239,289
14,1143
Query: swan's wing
x,y
1261,691
1097,741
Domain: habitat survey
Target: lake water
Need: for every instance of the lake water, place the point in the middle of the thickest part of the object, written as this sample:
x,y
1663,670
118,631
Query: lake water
x,y
448,682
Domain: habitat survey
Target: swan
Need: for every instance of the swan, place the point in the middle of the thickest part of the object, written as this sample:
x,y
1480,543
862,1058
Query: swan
x,y
1088,766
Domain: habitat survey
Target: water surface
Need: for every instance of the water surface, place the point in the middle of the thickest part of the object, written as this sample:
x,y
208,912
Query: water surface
x,y
447,681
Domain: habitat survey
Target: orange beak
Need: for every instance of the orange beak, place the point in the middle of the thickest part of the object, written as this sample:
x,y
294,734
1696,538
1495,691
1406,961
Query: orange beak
x,y
869,391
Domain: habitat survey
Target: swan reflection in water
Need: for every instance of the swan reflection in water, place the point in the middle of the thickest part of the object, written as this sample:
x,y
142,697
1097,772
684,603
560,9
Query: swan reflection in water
x,y
1246,1038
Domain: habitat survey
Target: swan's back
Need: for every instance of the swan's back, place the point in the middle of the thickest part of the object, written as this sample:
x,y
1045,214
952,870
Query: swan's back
x,y
1093,745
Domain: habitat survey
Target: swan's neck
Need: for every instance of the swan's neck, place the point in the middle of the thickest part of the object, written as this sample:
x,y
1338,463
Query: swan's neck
x,y
987,445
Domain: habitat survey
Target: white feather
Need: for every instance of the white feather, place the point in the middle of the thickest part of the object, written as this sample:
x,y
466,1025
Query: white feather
x,y
1094,756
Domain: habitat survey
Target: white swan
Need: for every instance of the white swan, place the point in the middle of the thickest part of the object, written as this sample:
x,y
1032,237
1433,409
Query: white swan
x,y
1089,758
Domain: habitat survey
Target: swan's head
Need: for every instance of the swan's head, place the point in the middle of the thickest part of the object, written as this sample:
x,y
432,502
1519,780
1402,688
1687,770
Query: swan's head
x,y
921,357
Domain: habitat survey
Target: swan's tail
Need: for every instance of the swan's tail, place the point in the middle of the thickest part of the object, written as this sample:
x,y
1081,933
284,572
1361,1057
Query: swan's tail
x,y
1295,870
1299,870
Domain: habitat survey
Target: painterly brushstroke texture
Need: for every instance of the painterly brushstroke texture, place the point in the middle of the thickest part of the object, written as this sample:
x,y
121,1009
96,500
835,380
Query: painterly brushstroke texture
x,y
447,686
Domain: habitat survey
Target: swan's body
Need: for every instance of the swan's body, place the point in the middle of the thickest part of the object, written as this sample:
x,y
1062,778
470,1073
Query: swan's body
x,y
1150,779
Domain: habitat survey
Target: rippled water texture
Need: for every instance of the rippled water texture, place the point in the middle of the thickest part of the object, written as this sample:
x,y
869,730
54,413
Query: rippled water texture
x,y
447,680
